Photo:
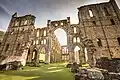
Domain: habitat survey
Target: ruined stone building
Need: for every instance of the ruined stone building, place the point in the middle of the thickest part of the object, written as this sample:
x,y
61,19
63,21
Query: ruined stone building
x,y
46,44
99,24
16,40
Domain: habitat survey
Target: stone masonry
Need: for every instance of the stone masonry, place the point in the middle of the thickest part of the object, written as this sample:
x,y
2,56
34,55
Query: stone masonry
x,y
99,25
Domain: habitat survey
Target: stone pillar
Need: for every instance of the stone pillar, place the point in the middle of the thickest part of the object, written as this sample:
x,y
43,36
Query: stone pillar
x,y
71,57
76,56
47,57
37,57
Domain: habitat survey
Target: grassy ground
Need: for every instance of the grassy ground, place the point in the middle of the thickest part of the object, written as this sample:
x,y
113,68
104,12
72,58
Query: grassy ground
x,y
45,72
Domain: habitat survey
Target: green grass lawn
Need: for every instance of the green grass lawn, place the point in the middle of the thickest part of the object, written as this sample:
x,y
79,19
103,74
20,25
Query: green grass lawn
x,y
45,72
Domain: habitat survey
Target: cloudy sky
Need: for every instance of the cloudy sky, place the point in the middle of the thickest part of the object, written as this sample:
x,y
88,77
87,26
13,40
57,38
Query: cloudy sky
x,y
42,9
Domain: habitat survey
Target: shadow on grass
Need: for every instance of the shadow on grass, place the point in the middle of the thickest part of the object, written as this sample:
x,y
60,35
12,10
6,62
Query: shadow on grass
x,y
45,72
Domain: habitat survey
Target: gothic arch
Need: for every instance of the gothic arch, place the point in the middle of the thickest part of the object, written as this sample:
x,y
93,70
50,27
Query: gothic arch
x,y
42,53
55,28
34,54
79,56
61,36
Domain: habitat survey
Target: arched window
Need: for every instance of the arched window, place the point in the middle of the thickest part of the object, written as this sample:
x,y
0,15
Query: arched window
x,y
44,41
99,42
91,13
106,11
38,33
75,30
74,40
78,39
44,32
118,39
7,46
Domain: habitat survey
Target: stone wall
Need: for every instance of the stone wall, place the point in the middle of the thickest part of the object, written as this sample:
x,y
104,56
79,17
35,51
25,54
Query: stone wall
x,y
17,38
100,23
97,22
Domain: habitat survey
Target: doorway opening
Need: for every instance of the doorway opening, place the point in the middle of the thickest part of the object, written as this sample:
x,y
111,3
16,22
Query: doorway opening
x,y
77,54
34,55
42,55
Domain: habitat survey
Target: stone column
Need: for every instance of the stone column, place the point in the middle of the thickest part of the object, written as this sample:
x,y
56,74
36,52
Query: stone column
x,y
47,56
71,57
37,57
76,55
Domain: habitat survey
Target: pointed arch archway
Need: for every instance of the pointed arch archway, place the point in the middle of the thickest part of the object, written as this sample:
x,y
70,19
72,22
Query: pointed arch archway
x,y
42,53
61,36
34,55
77,54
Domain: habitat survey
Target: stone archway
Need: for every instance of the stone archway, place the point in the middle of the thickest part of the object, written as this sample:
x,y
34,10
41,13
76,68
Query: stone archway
x,y
77,54
34,55
65,26
42,54
61,36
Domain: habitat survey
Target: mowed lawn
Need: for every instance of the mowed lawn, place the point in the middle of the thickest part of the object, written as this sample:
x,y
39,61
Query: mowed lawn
x,y
44,72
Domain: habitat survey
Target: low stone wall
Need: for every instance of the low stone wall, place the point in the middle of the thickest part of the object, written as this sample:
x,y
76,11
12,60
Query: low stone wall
x,y
93,73
22,59
112,65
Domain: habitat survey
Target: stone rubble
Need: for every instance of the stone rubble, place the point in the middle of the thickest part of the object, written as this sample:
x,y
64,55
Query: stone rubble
x,y
16,65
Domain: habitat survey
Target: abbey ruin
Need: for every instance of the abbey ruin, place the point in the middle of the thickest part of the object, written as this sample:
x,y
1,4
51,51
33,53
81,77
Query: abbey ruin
x,y
96,35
